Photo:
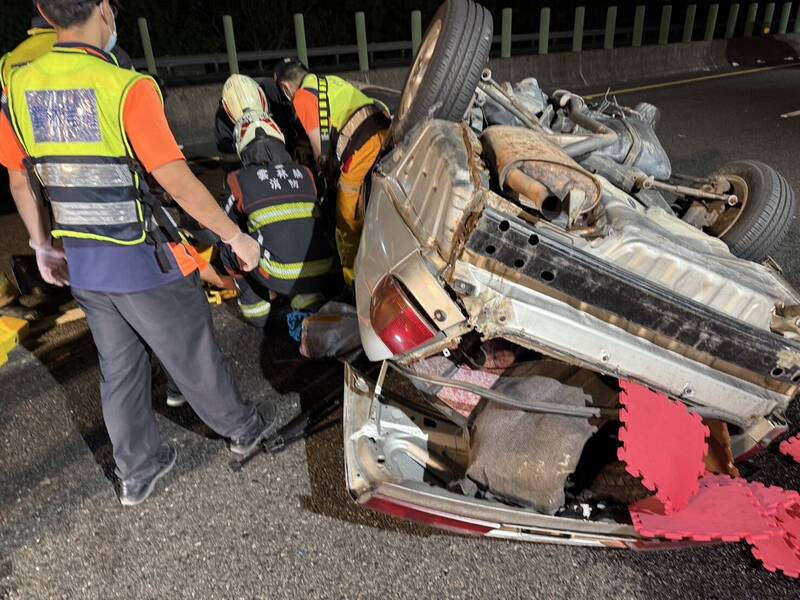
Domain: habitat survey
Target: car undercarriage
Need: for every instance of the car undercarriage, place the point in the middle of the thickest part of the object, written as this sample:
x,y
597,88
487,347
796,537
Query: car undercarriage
x,y
525,259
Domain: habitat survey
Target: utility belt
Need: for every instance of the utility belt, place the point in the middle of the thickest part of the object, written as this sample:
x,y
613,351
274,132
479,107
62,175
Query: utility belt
x,y
360,127
128,221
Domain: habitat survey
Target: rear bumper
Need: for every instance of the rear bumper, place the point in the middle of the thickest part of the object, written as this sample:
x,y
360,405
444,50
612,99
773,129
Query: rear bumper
x,y
371,485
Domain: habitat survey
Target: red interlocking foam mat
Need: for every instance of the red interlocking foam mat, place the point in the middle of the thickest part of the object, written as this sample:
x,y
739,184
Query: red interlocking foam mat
x,y
771,498
779,552
788,518
662,443
791,448
718,512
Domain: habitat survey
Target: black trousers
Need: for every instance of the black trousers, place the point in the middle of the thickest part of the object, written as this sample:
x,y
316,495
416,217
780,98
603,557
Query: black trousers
x,y
175,322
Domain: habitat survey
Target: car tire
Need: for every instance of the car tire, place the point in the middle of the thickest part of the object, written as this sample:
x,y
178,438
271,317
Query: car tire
x,y
767,211
442,81
613,482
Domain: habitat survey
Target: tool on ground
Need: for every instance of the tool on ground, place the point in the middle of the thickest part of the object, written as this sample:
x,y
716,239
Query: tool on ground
x,y
220,296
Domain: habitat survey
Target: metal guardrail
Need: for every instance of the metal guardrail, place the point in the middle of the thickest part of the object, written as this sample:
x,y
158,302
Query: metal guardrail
x,y
365,54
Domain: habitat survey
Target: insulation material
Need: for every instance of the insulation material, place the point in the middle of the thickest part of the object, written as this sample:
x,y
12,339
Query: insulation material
x,y
791,448
662,443
526,457
461,401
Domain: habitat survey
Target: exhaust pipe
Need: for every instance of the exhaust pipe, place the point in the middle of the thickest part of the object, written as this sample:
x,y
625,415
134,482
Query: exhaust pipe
x,y
574,105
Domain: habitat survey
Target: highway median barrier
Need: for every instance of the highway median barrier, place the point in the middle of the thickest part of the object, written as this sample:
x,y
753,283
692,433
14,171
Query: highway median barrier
x,y
191,109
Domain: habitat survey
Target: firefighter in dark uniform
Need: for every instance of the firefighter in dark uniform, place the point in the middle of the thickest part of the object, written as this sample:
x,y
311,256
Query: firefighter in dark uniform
x,y
275,200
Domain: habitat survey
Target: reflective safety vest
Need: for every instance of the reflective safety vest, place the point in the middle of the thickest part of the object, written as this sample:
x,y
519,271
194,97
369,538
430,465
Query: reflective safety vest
x,y
280,207
39,42
344,98
67,111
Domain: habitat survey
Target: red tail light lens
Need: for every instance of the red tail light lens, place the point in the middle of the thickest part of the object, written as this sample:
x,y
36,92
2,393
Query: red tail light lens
x,y
395,319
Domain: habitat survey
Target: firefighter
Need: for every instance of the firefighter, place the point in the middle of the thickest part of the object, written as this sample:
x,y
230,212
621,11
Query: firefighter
x,y
346,129
275,200
78,132
242,93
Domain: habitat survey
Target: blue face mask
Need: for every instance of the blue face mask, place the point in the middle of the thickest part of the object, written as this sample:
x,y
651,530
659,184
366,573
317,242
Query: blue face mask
x,y
112,40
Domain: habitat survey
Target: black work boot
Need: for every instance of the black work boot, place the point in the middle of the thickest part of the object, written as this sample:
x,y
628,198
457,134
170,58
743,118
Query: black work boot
x,y
246,445
133,493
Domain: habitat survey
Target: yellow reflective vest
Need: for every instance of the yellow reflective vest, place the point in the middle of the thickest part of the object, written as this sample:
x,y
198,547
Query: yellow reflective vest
x,y
343,97
39,42
66,108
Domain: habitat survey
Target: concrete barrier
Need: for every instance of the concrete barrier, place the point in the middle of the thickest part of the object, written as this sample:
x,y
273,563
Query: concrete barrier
x,y
191,109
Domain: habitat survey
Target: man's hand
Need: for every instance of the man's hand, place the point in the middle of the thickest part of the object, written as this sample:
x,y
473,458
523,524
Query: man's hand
x,y
247,250
52,264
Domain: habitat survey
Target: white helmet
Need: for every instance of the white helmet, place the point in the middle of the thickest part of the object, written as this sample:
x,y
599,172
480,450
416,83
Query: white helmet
x,y
241,94
247,127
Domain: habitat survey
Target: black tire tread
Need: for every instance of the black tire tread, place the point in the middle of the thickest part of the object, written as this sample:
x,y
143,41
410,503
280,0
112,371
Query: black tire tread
x,y
613,482
453,74
772,207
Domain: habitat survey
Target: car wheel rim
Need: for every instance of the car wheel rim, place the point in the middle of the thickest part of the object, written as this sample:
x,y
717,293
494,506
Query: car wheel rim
x,y
420,68
731,214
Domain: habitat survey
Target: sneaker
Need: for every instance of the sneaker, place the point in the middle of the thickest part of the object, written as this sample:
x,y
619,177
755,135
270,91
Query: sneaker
x,y
246,446
175,400
132,494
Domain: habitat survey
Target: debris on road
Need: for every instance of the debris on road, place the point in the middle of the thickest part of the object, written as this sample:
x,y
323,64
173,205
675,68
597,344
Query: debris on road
x,y
331,332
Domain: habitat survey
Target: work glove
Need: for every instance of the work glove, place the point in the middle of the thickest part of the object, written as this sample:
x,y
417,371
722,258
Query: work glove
x,y
246,249
52,263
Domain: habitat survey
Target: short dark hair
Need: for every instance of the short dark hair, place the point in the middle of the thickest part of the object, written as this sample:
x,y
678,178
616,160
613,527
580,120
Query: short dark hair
x,y
66,13
290,69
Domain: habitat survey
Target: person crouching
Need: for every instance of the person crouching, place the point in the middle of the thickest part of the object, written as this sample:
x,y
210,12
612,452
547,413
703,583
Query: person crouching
x,y
275,200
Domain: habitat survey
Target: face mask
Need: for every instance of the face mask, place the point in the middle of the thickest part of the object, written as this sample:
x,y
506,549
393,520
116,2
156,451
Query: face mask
x,y
112,39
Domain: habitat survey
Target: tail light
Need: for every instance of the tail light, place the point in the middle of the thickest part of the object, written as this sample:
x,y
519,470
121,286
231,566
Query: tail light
x,y
396,320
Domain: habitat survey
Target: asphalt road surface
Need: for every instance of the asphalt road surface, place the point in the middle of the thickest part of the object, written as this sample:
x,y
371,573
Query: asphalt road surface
x,y
286,527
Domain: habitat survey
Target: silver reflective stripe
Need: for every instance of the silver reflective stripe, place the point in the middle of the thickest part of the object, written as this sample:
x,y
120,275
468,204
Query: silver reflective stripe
x,y
94,213
84,175
254,311
230,204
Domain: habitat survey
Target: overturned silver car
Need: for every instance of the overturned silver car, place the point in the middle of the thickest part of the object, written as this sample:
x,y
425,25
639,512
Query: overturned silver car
x,y
506,286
